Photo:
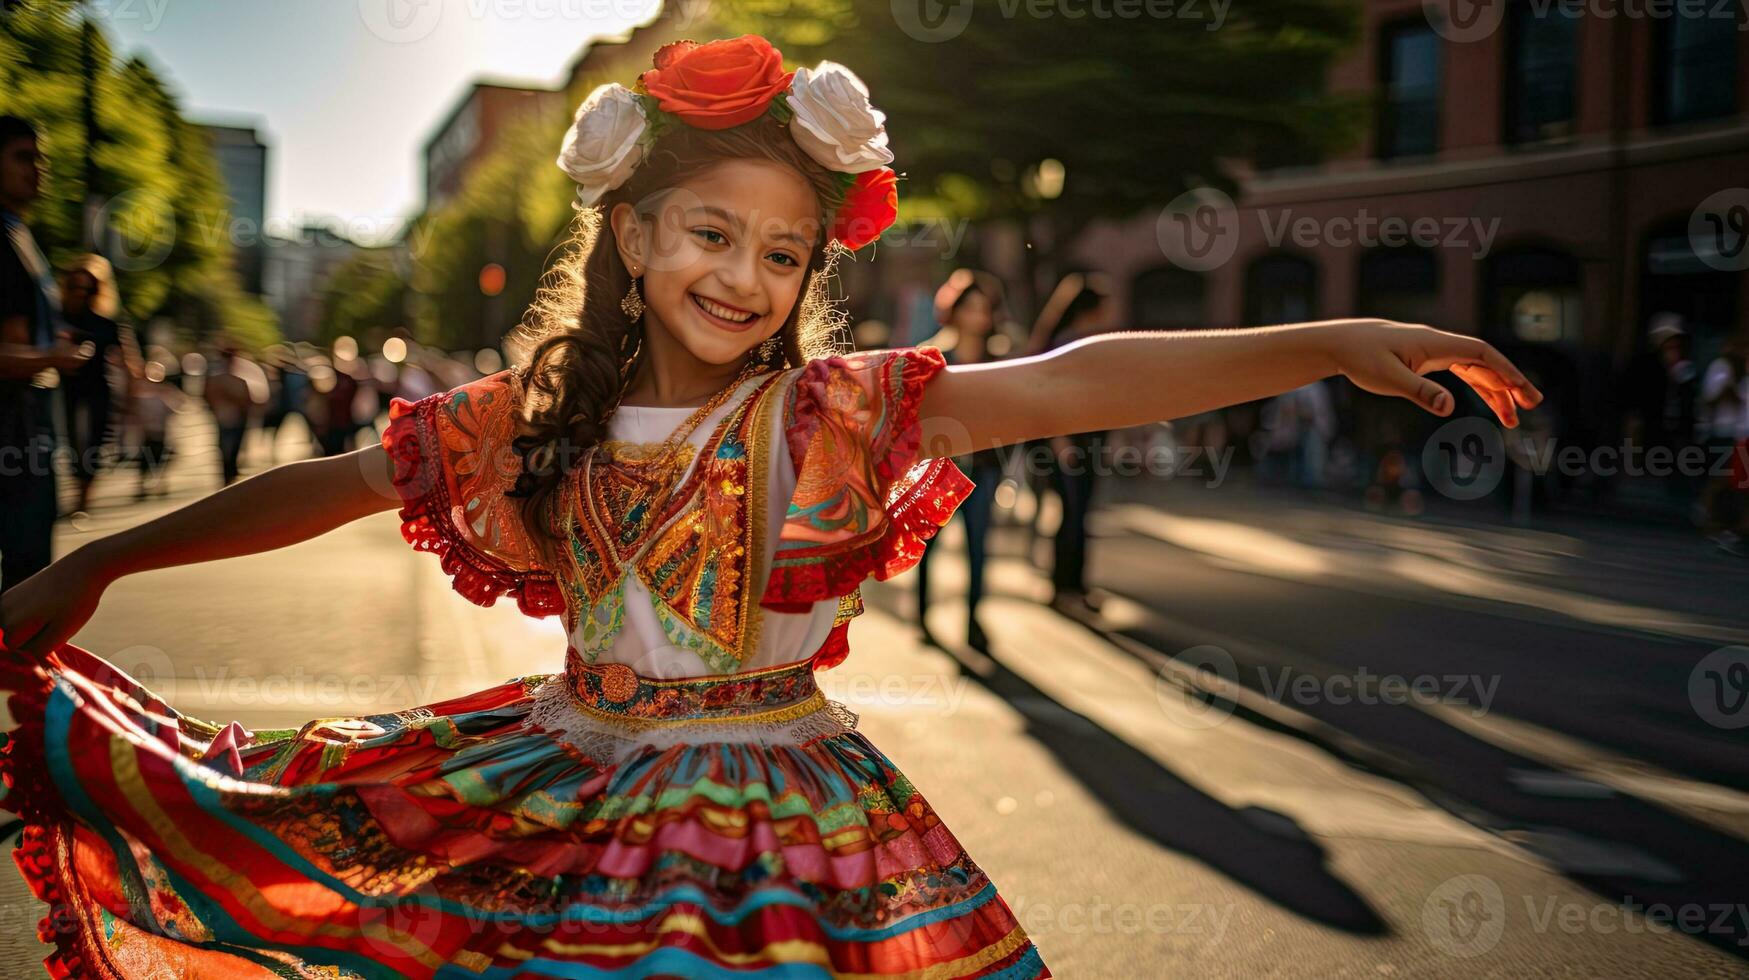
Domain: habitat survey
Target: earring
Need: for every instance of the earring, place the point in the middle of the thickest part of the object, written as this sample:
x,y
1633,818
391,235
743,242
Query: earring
x,y
771,350
633,303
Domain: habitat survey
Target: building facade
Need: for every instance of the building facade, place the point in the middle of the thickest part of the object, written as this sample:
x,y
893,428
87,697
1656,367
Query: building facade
x,y
242,160
472,129
1549,176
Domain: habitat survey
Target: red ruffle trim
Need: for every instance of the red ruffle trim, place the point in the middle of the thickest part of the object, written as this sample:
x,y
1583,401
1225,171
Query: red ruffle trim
x,y
921,497
410,440
31,794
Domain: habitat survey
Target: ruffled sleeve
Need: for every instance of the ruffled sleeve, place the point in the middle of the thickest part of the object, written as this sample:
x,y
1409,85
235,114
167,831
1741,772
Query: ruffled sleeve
x,y
863,503
453,462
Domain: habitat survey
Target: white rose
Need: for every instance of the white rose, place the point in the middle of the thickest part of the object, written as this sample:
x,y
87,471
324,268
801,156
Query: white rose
x,y
834,122
602,146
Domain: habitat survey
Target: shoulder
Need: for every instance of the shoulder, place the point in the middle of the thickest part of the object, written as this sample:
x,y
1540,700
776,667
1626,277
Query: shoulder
x,y
864,380
476,407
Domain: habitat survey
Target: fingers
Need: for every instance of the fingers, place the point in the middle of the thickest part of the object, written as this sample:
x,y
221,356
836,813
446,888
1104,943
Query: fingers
x,y
1454,350
1523,392
1493,390
1428,394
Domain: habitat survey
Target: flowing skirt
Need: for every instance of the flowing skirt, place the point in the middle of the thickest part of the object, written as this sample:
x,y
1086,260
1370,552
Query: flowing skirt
x,y
589,823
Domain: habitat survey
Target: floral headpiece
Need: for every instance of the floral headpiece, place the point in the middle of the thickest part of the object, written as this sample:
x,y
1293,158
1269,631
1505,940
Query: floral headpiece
x,y
724,84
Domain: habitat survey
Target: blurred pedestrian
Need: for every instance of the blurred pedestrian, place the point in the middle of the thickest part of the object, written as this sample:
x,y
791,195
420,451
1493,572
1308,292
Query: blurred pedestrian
x,y
1724,393
29,350
1080,307
965,309
1298,427
89,304
155,401
232,396
333,403
286,387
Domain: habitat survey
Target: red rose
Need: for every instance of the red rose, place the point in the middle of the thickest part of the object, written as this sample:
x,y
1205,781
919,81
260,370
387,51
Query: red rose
x,y
716,85
870,207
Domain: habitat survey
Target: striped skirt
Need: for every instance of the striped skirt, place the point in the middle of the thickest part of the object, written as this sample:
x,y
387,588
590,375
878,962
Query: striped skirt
x,y
590,823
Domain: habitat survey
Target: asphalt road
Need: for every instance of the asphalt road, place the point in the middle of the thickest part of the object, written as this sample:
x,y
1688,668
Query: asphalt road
x,y
1144,818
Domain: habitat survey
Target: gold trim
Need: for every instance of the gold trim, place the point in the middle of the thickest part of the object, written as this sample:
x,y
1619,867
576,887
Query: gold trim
x,y
702,679
814,702
758,484
998,950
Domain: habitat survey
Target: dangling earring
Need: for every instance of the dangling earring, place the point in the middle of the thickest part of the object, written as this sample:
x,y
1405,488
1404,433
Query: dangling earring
x,y
633,303
771,350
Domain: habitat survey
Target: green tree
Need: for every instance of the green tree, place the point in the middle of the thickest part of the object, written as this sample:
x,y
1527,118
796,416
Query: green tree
x,y
131,176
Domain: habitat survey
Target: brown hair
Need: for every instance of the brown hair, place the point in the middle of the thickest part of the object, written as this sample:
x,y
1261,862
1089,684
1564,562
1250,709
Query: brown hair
x,y
586,350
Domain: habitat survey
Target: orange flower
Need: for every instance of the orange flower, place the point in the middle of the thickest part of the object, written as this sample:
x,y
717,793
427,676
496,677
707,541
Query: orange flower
x,y
717,85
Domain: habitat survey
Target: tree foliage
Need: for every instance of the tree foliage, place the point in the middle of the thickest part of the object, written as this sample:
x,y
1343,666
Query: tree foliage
x,y
160,214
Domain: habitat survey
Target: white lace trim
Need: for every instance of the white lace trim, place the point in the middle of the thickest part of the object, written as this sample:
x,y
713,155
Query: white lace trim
x,y
555,711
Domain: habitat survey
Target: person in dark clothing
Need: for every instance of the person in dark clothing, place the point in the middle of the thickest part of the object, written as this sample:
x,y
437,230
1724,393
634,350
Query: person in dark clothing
x,y
965,309
1080,306
87,306
28,347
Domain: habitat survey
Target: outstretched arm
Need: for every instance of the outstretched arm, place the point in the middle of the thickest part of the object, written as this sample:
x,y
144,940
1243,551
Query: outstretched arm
x,y
1122,379
284,505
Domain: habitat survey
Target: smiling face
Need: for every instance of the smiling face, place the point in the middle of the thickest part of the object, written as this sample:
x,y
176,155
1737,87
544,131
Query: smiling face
x,y
723,257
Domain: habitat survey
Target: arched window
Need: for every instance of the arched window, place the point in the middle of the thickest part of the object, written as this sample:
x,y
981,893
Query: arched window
x,y
1167,298
1280,288
1675,278
1533,296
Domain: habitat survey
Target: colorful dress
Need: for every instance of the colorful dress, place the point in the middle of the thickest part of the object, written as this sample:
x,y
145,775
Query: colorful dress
x,y
679,800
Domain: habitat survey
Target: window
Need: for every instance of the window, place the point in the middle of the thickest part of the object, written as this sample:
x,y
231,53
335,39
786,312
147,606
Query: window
x,y
1533,297
1409,120
1542,54
1697,64
1280,289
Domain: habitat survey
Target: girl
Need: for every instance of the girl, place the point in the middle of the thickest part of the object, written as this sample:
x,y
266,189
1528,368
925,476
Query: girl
x,y
691,478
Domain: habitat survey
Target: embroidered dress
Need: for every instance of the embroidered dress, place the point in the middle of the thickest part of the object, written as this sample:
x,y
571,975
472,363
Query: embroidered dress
x,y
679,799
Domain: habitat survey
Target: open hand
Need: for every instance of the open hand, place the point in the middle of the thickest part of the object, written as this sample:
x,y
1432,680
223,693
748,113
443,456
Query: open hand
x,y
1389,358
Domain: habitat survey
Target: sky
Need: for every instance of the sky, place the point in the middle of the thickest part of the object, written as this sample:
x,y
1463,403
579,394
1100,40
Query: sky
x,y
345,93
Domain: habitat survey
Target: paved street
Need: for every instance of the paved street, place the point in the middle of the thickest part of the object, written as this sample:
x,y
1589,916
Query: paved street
x,y
1283,811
